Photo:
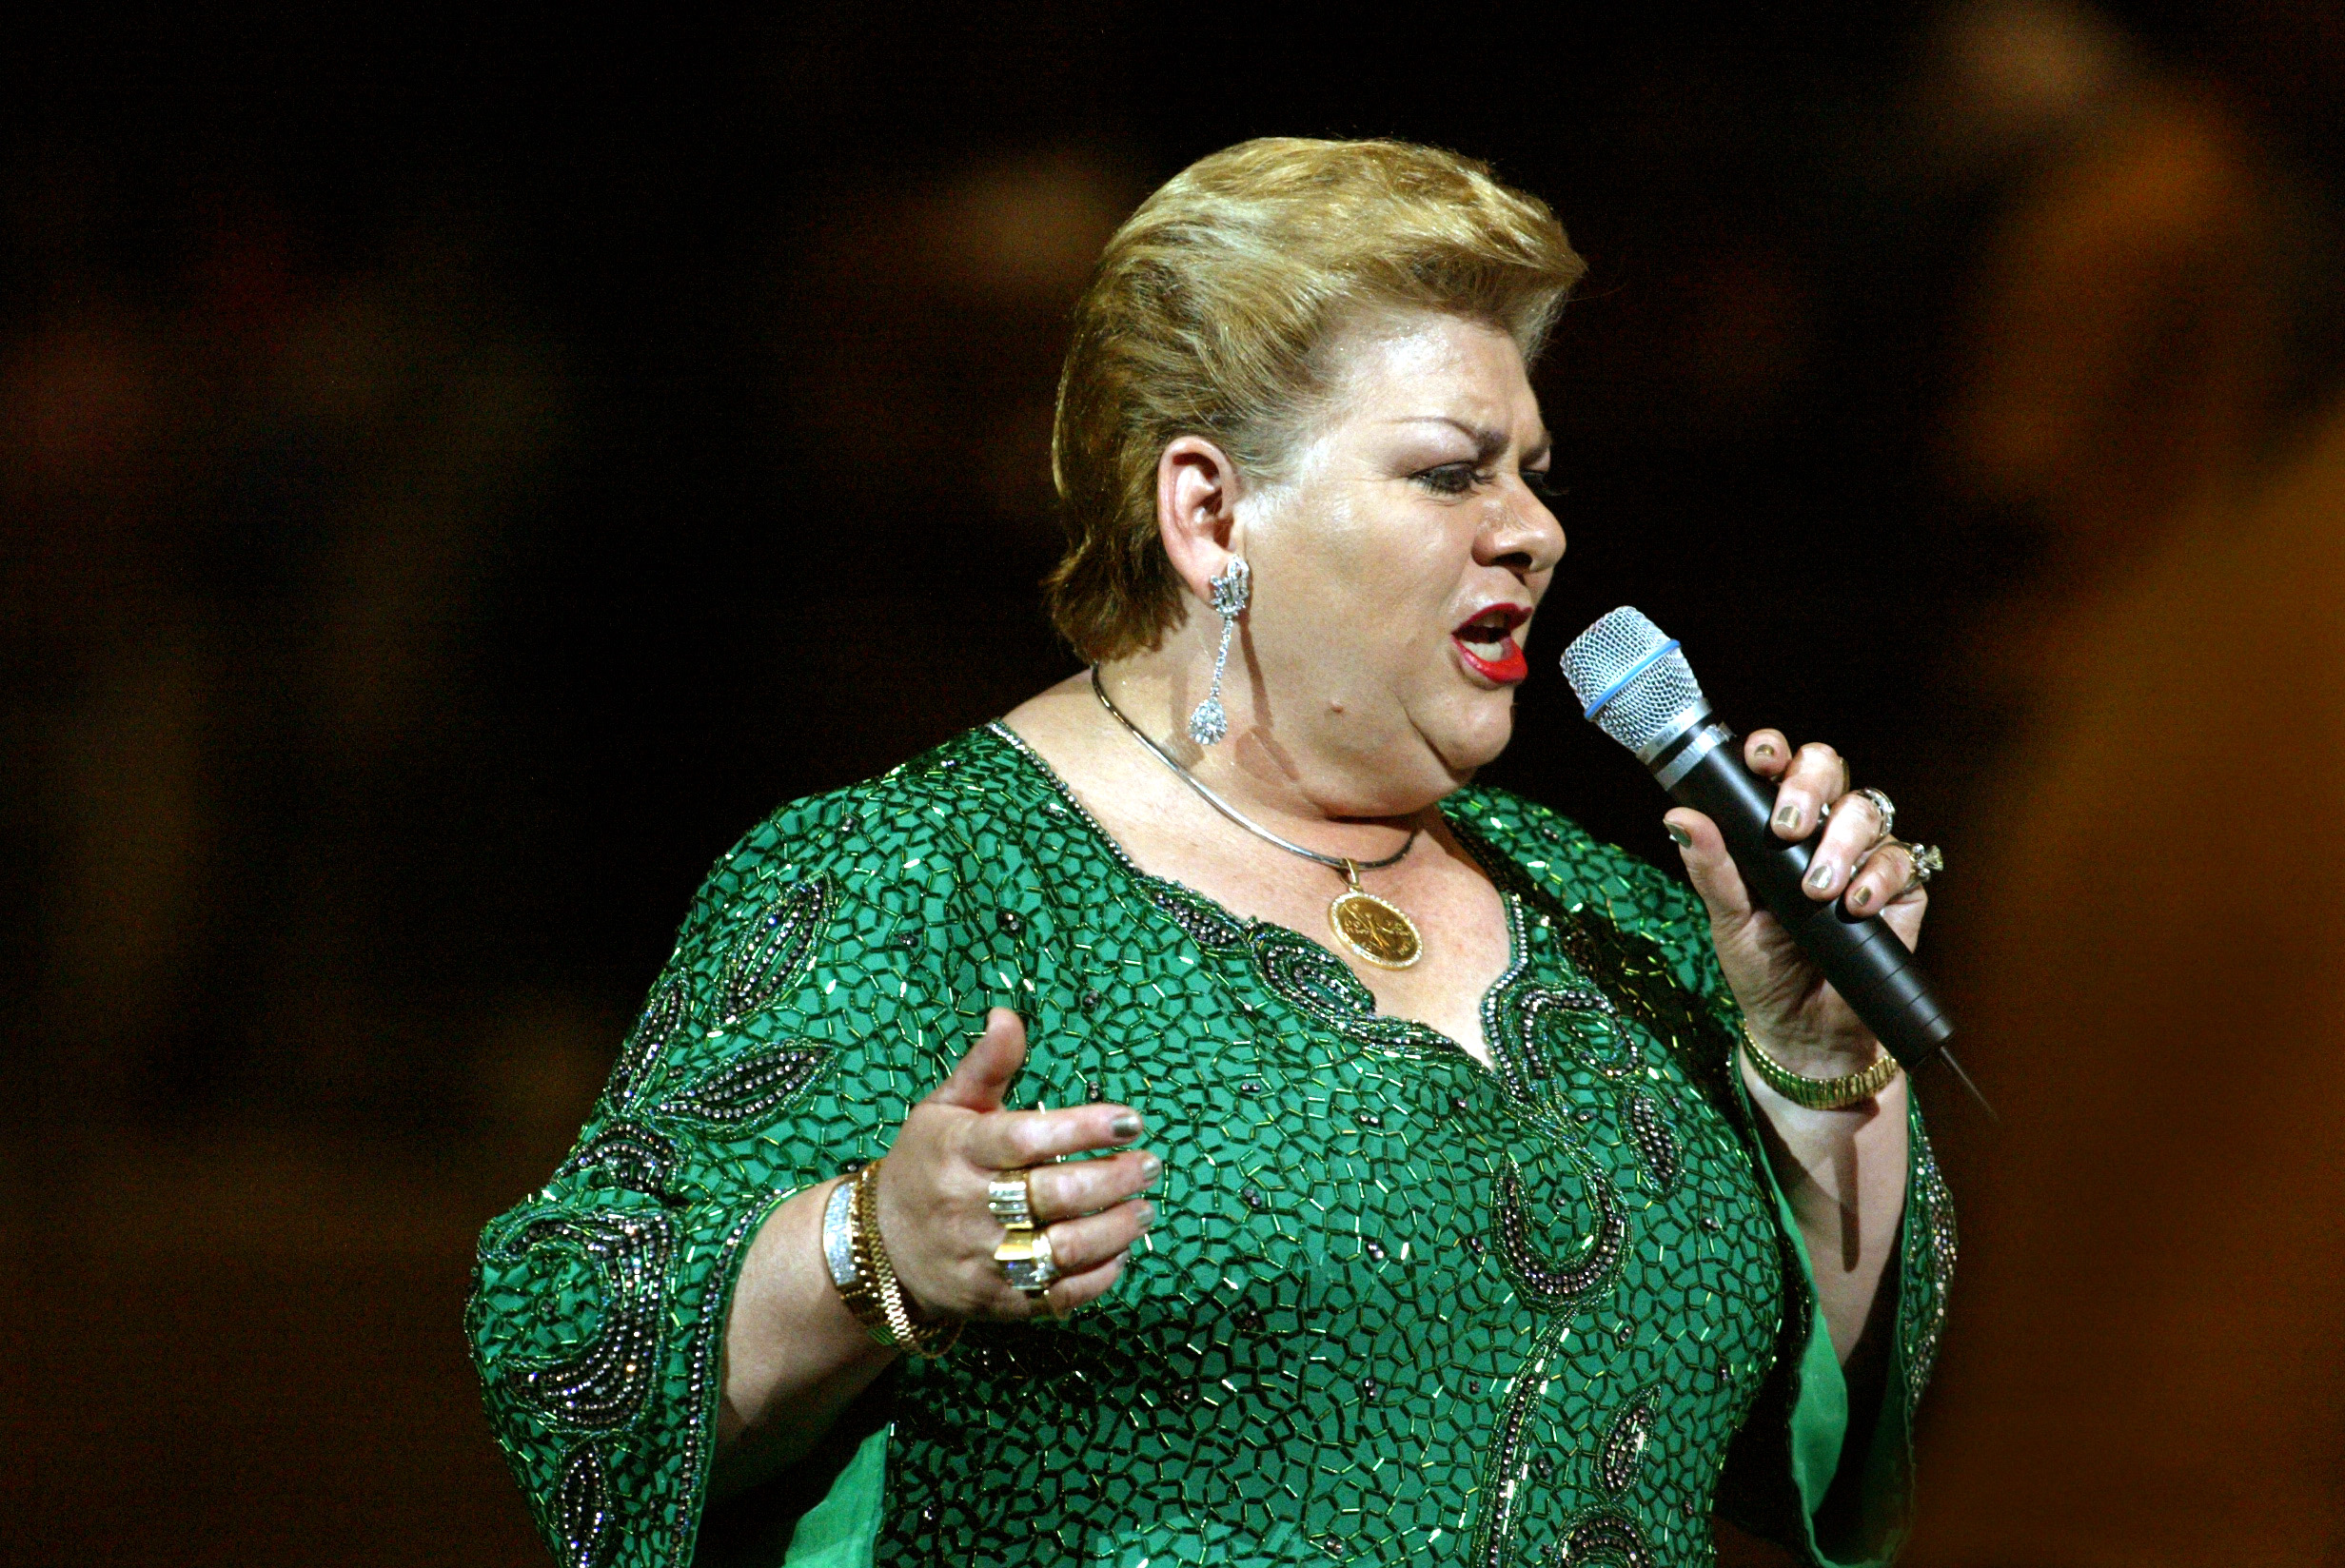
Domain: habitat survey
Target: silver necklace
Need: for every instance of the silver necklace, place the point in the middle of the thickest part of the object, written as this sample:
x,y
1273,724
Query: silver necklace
x,y
1378,931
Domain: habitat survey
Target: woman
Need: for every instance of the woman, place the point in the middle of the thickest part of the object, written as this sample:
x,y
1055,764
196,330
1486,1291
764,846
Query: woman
x,y
1455,1236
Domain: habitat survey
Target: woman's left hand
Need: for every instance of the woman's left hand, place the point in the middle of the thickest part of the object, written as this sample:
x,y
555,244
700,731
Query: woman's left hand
x,y
1790,1009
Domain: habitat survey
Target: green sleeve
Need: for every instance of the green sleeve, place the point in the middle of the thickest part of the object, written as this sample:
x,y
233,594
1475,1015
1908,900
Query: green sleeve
x,y
1788,1459
821,987
1793,1454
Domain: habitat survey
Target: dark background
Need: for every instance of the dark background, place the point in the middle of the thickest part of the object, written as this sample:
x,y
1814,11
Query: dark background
x,y
459,475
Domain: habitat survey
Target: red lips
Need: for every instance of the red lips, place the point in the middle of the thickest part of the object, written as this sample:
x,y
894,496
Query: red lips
x,y
1487,646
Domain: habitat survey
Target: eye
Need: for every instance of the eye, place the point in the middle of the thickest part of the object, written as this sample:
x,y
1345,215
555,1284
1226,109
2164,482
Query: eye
x,y
1450,479
1542,483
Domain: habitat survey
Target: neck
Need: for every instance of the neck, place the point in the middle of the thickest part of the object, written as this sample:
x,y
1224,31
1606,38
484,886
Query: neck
x,y
1279,786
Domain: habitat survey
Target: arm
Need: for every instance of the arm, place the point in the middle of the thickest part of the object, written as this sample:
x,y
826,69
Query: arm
x,y
1823,1464
818,990
1843,1171
795,1357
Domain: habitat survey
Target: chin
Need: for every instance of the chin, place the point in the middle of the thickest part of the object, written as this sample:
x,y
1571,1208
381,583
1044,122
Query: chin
x,y
1475,733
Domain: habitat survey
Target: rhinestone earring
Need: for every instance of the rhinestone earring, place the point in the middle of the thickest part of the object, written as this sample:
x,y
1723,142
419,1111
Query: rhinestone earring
x,y
1230,592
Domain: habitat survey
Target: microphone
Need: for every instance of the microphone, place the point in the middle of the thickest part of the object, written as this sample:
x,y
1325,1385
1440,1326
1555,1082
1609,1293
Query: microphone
x,y
1637,687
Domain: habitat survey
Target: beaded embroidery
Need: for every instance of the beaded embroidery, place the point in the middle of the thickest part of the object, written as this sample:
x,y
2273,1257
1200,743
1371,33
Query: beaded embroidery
x,y
1324,1350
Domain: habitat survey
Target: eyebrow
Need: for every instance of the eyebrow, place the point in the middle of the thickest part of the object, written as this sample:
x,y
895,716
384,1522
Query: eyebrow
x,y
1485,439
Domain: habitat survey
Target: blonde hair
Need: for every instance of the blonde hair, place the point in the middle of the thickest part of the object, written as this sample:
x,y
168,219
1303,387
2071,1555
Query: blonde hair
x,y
1208,314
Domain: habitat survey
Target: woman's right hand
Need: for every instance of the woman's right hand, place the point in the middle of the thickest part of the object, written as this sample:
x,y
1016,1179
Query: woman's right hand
x,y
939,1234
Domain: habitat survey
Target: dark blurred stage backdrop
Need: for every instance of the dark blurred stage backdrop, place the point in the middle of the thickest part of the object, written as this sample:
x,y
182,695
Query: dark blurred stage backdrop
x,y
457,477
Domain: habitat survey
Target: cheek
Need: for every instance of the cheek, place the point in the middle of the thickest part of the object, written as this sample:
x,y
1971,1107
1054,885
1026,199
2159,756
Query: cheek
x,y
1401,569
1373,592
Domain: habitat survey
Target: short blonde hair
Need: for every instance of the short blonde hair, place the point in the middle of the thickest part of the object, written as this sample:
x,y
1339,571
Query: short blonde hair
x,y
1207,316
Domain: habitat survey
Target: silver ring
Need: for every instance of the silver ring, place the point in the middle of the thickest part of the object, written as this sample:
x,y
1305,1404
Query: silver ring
x,y
1008,1200
1883,807
1927,862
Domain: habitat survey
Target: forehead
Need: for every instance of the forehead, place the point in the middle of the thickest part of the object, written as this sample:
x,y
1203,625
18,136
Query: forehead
x,y
1430,366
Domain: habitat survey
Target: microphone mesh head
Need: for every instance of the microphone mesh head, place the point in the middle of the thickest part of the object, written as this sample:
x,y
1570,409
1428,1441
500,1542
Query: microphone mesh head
x,y
1618,668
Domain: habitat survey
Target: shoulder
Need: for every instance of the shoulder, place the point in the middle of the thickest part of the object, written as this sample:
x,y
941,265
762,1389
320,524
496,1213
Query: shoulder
x,y
1623,917
1571,866
924,831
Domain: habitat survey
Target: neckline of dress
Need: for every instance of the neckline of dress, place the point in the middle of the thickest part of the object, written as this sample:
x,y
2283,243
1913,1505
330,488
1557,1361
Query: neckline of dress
x,y
1480,851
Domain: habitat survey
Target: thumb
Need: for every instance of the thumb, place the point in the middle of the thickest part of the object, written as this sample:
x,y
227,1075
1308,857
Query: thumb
x,y
1712,870
983,1076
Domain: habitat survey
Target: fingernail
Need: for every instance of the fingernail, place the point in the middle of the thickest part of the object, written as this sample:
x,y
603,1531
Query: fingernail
x,y
1823,876
1150,1168
1765,748
1126,1125
1864,897
1679,835
1148,1215
1789,816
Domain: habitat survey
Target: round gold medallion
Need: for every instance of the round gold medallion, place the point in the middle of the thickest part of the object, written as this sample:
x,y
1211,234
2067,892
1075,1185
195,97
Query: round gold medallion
x,y
1375,930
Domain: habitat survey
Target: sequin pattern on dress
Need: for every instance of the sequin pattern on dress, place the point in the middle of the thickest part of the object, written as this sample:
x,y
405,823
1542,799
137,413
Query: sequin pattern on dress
x,y
1398,1308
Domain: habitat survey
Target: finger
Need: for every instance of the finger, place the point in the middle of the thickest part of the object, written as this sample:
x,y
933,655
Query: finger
x,y
1012,1140
1712,870
1767,752
1075,1291
1887,888
1841,848
982,1076
1903,917
1085,1187
1078,1245
1814,777
1878,879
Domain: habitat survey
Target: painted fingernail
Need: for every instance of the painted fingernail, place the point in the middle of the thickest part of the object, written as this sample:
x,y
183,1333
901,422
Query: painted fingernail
x,y
1823,876
1679,835
1126,1125
1789,816
1150,1168
1765,749
1863,897
1148,1215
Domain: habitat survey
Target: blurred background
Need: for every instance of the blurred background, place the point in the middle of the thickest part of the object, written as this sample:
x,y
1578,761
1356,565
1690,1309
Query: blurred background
x,y
456,476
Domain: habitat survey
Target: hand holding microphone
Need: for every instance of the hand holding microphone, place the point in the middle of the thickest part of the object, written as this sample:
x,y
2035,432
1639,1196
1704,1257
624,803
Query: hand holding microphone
x,y
1814,929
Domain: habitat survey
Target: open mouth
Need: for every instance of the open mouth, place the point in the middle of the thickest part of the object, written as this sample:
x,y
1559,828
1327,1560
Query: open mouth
x,y
1487,646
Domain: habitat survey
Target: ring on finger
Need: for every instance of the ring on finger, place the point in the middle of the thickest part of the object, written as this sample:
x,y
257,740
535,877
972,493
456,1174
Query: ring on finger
x,y
1027,1261
1882,808
1009,1200
1927,860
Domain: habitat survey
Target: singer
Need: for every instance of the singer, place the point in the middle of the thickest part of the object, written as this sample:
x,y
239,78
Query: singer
x,y
1187,1121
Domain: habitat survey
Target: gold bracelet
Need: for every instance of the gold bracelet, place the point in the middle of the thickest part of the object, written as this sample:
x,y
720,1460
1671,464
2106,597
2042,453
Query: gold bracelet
x,y
852,1275
871,1253
1820,1093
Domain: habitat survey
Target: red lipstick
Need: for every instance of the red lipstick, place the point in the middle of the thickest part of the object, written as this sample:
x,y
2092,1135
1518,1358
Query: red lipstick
x,y
1487,646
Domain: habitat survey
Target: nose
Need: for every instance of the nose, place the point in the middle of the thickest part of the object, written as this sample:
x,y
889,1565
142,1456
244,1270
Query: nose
x,y
1519,534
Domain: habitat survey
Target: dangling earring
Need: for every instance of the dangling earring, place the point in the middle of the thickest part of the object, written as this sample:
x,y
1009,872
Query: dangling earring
x,y
1229,591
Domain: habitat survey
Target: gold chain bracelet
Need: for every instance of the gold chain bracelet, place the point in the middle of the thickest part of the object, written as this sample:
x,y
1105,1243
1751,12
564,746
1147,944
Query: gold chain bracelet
x,y
922,1339
865,1277
1820,1093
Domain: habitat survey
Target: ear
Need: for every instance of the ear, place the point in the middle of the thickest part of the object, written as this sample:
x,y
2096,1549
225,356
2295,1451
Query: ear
x,y
1197,509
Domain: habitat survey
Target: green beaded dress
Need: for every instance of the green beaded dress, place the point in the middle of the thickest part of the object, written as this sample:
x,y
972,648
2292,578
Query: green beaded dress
x,y
1397,1307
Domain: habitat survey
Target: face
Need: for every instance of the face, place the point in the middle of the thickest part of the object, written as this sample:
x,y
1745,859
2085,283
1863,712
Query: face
x,y
1397,569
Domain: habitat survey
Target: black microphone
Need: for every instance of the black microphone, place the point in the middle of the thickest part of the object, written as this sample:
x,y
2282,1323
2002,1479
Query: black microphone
x,y
1637,687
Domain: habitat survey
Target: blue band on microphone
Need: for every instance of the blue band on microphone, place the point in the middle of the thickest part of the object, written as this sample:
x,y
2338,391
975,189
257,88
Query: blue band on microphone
x,y
1635,669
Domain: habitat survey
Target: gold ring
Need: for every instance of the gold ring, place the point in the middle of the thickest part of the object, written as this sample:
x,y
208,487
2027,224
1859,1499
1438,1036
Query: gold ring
x,y
1010,1200
1027,1261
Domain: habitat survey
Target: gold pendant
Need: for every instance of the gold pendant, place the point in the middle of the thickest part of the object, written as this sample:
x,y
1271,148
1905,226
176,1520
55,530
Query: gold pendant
x,y
1378,931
